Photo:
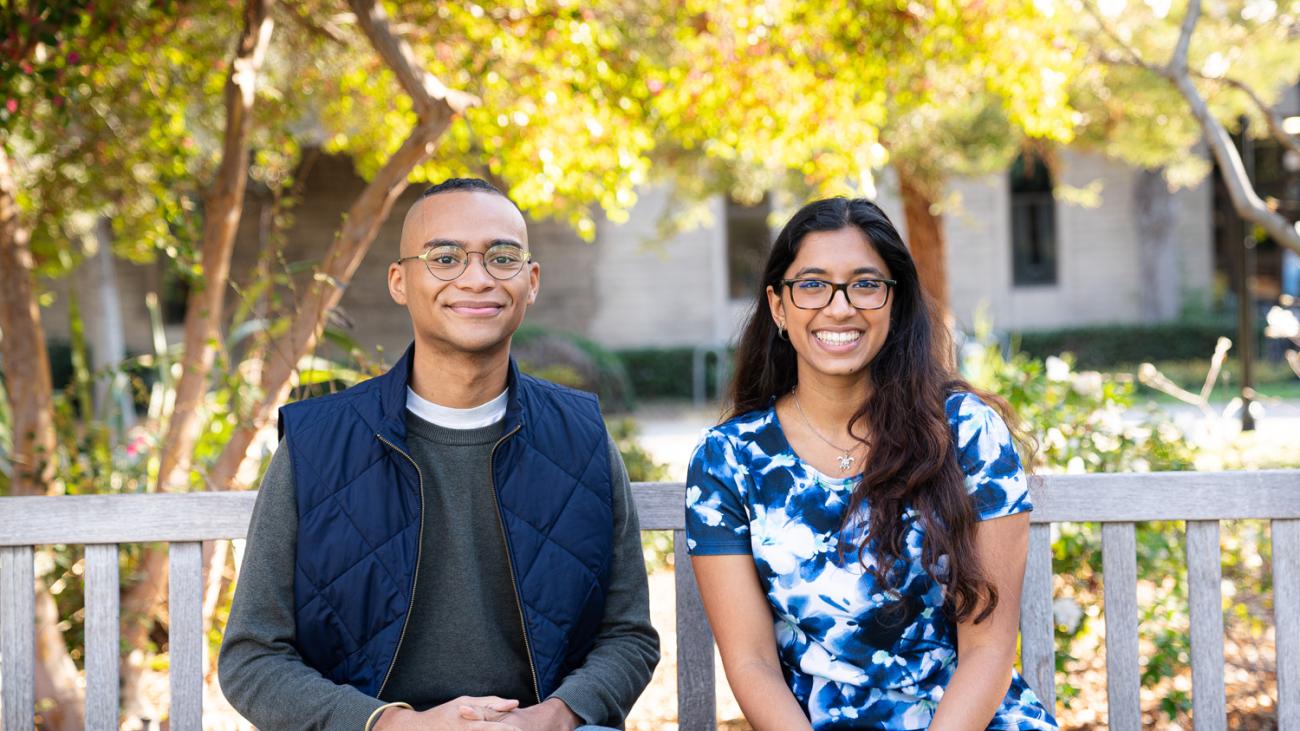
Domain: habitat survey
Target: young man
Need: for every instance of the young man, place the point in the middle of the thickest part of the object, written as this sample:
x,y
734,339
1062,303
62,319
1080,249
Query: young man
x,y
451,545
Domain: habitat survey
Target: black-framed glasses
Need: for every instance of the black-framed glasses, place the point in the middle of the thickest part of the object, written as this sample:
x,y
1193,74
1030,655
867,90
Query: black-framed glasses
x,y
448,261
863,294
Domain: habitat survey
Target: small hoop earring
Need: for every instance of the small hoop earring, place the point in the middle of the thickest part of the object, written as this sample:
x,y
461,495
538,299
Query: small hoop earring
x,y
780,333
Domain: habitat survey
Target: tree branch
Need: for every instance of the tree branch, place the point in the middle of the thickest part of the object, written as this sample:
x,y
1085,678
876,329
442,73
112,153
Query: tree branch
x,y
1178,62
432,98
326,30
1274,120
222,210
1133,57
1241,191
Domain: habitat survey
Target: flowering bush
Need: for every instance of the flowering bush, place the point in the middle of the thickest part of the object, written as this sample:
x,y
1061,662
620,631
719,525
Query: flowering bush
x,y
1091,422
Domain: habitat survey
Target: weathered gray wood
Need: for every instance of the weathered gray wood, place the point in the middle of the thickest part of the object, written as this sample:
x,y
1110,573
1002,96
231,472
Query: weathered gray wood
x,y
1119,583
185,635
1205,605
1037,626
17,638
1286,600
102,637
81,519
1136,497
1121,497
660,505
696,695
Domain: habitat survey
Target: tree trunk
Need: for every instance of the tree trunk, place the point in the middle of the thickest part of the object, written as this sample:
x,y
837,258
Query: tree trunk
x,y
22,348
926,239
56,674
1155,212
222,210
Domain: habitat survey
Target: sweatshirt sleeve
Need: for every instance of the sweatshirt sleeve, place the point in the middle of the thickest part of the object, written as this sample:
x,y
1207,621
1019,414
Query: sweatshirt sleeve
x,y
261,672
603,689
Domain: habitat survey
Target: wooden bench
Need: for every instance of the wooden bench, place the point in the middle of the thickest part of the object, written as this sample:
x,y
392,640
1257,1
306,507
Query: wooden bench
x,y
1117,501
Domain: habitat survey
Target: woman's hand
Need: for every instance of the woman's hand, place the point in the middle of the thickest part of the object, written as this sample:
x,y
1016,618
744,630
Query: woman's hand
x,y
742,623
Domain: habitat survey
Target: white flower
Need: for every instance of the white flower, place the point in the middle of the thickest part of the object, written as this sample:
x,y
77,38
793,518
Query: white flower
x,y
1282,323
1067,613
1088,383
1057,369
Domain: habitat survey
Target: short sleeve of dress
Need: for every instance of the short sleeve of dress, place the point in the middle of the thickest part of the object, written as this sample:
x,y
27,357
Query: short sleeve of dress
x,y
987,456
717,522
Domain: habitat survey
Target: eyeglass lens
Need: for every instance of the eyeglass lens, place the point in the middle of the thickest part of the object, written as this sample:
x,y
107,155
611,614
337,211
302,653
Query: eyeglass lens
x,y
864,294
502,261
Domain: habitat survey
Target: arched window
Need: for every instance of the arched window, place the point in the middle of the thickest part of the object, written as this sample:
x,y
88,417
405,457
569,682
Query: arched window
x,y
1033,223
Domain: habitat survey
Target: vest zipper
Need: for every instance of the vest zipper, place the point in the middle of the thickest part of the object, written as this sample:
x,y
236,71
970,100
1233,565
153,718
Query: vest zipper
x,y
419,548
519,603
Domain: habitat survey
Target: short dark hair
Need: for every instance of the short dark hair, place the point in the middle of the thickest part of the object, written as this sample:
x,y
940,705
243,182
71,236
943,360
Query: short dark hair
x,y
454,184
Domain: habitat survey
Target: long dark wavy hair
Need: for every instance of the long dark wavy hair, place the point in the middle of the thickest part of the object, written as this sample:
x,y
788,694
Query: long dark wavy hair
x,y
911,458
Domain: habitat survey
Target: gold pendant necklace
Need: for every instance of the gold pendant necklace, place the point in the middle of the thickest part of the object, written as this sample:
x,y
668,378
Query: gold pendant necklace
x,y
845,459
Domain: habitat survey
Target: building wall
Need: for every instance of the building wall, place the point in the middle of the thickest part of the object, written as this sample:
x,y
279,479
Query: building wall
x,y
1098,278
659,293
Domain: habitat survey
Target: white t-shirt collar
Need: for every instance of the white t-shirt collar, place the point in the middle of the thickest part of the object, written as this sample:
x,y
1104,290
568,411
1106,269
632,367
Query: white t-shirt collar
x,y
475,417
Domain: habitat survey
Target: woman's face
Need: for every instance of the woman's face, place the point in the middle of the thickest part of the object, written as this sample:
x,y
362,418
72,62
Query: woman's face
x,y
837,339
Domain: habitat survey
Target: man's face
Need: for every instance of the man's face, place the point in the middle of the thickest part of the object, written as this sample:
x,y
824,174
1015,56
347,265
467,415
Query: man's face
x,y
475,312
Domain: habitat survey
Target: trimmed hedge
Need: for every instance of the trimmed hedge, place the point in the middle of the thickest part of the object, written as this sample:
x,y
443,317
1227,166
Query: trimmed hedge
x,y
1101,347
665,373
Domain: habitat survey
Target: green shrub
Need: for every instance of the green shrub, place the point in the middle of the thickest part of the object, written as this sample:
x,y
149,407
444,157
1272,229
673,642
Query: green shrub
x,y
1105,346
656,545
666,373
574,361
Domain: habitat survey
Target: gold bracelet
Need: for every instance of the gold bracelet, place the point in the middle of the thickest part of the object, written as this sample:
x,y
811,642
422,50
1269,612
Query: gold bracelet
x,y
375,715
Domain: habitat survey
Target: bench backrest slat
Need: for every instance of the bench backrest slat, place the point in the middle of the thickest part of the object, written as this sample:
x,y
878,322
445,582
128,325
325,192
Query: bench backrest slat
x,y
185,639
103,655
1119,584
17,637
696,695
1205,608
1037,625
1130,497
1286,615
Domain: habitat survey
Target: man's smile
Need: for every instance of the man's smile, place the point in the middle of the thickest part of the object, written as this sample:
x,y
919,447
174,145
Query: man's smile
x,y
476,308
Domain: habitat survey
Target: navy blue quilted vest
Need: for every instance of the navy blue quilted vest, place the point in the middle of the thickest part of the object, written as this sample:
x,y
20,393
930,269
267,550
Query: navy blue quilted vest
x,y
359,508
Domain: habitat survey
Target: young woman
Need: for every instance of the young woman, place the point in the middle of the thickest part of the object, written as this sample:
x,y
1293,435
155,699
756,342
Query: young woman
x,y
861,501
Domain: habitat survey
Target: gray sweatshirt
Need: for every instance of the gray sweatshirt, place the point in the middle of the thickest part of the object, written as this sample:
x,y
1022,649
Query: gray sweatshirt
x,y
465,633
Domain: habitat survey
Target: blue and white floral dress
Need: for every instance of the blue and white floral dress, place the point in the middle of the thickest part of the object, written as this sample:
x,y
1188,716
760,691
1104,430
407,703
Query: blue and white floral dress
x,y
854,657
